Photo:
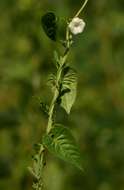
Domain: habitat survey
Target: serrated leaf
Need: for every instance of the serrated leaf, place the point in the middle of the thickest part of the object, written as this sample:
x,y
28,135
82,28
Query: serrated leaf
x,y
69,82
49,24
61,143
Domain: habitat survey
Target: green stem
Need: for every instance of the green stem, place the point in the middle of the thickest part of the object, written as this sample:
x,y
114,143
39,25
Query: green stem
x,y
56,92
58,80
67,38
81,9
51,110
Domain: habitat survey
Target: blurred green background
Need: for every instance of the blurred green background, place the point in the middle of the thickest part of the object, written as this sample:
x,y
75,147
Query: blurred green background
x,y
97,118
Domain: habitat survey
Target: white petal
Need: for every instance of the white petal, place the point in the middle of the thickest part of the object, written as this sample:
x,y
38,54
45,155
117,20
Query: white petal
x,y
76,25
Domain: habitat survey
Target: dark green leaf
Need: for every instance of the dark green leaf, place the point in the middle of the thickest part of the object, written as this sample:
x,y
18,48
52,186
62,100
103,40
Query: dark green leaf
x,y
49,24
63,92
62,144
45,108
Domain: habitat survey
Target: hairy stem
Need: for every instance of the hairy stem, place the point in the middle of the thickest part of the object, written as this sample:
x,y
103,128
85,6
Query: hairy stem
x,y
58,80
56,92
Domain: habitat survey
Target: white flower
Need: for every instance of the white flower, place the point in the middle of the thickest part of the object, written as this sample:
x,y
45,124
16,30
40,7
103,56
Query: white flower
x,y
76,26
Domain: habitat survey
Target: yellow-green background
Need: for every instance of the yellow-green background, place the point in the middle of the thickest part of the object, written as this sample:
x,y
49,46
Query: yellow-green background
x,y
97,118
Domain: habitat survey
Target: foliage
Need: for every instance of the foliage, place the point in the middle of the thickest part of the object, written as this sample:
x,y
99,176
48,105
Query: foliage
x,y
97,117
68,89
61,143
49,23
58,139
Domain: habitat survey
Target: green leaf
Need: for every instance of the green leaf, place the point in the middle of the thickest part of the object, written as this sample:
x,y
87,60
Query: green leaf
x,y
49,24
61,143
69,82
52,82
